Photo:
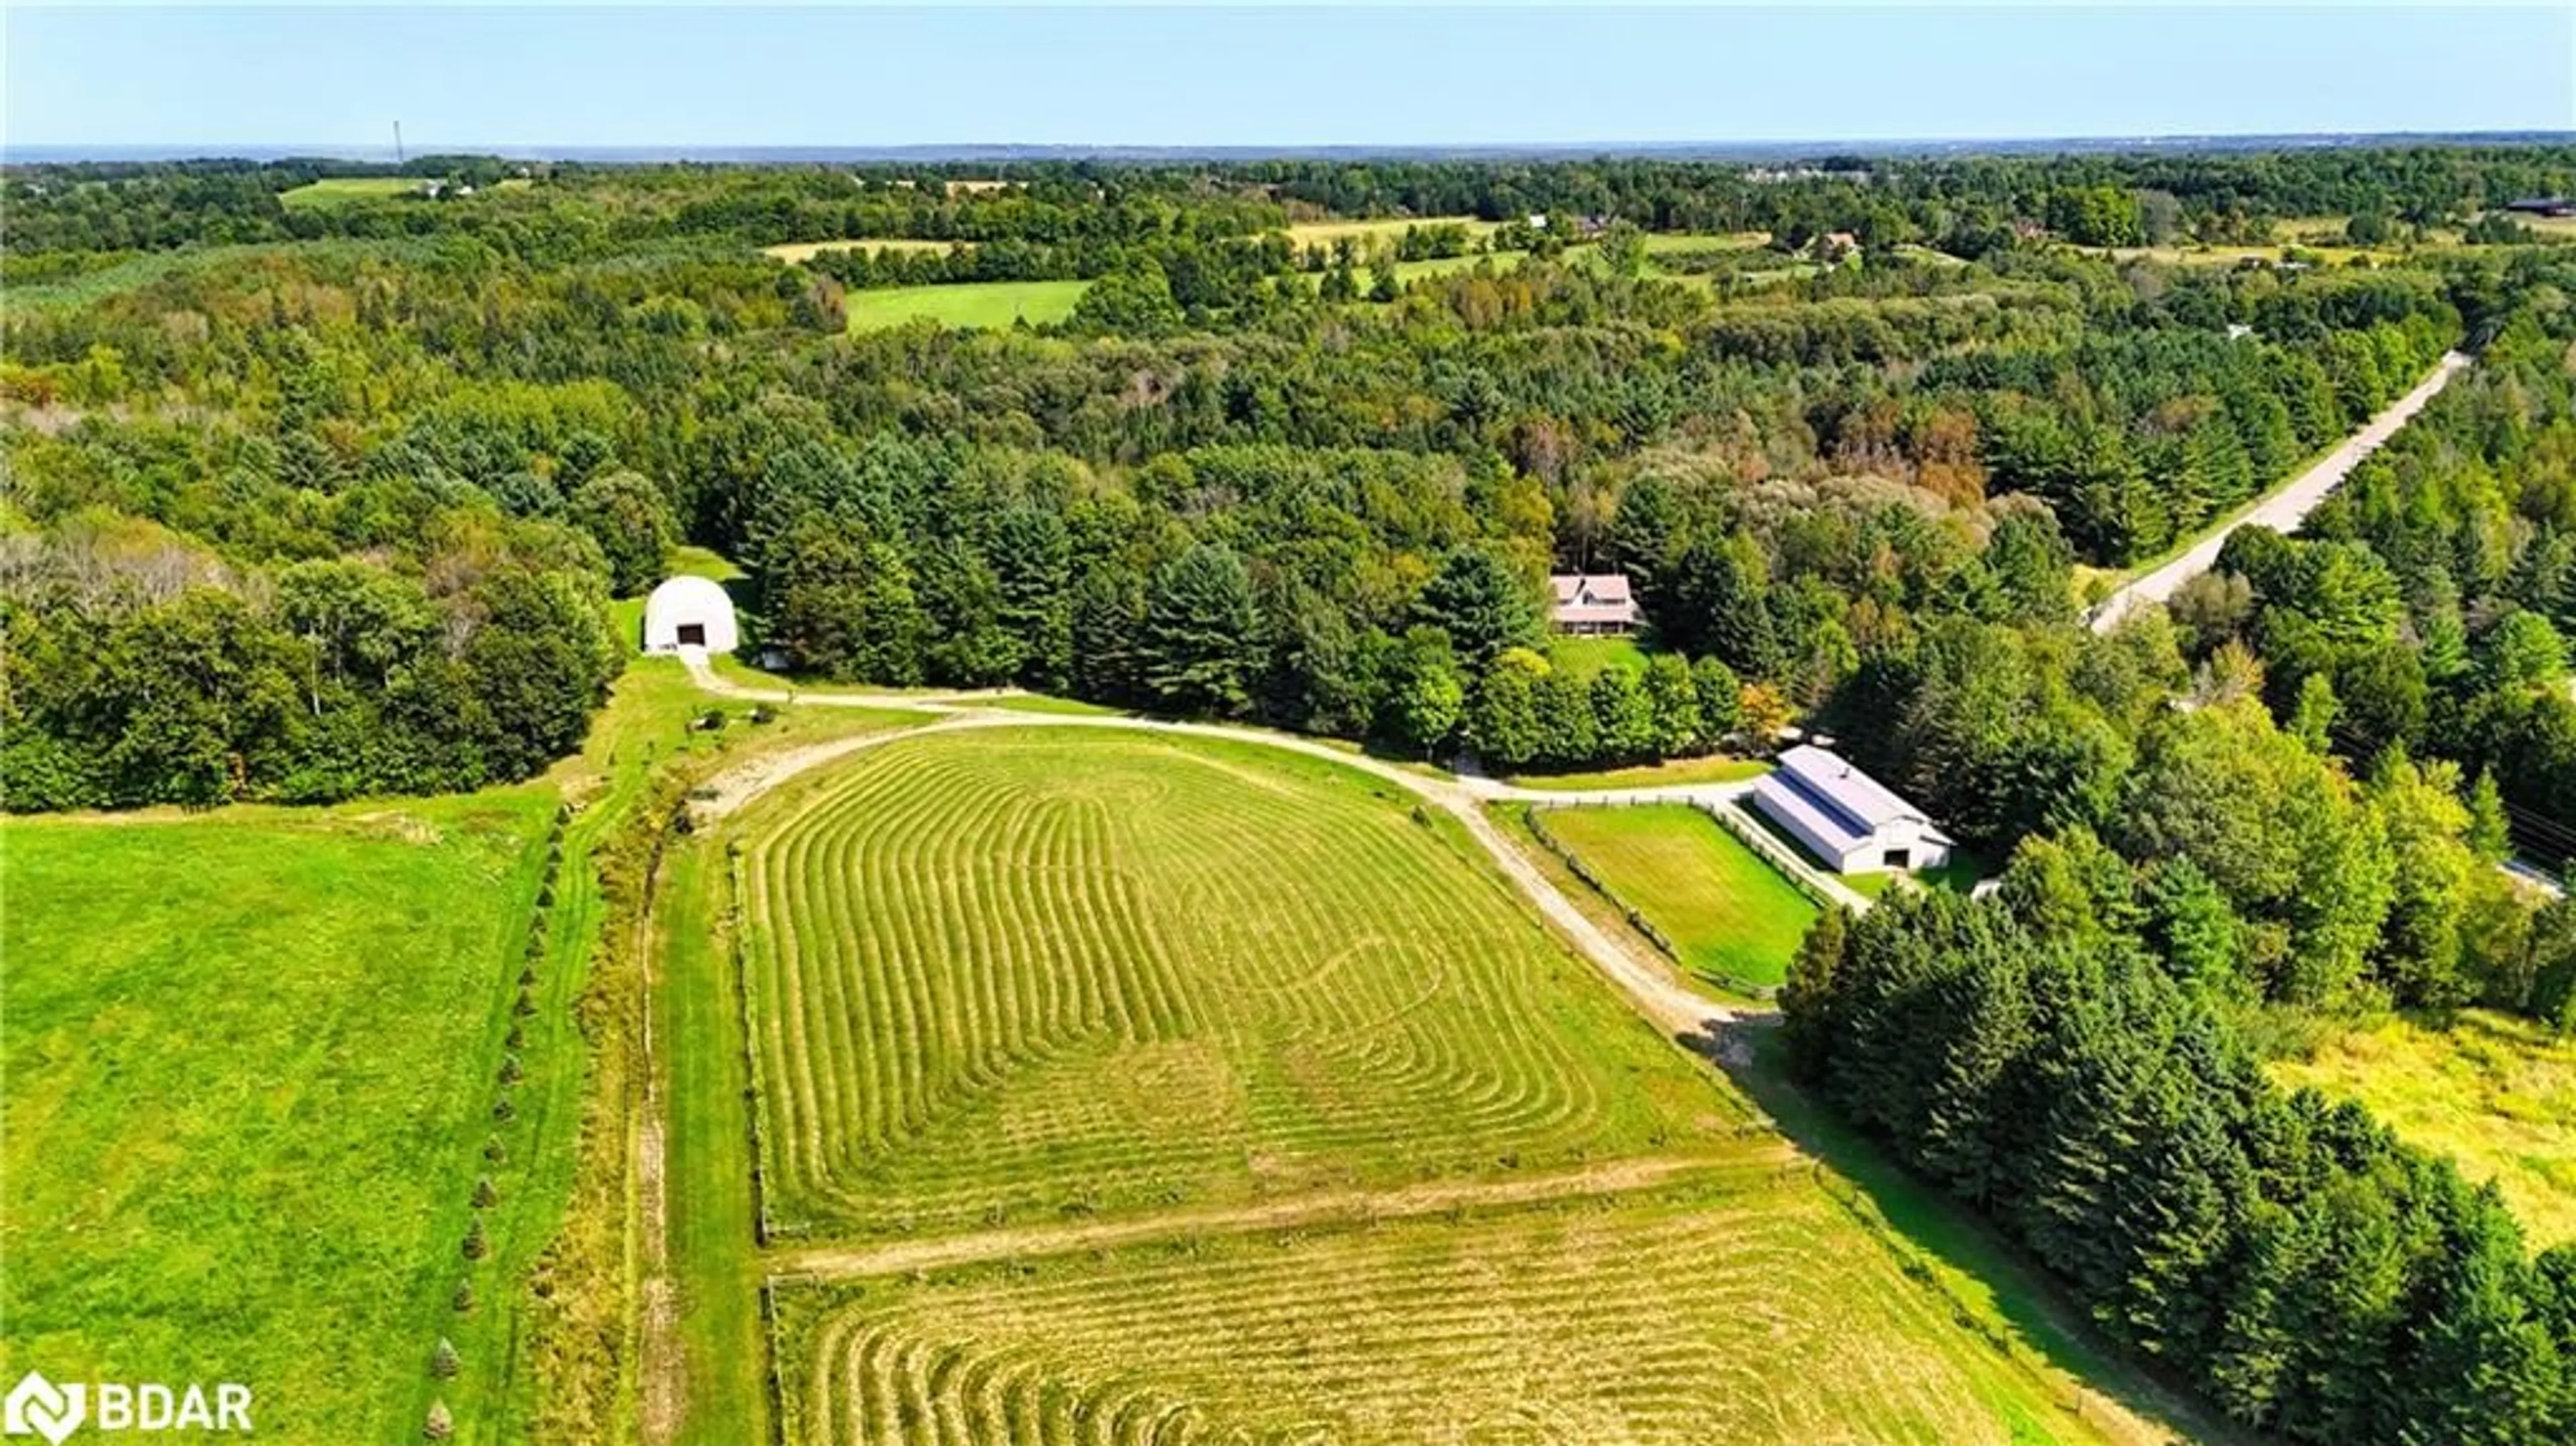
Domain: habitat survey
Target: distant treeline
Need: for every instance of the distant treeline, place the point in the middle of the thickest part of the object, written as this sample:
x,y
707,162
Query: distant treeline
x,y
1967,206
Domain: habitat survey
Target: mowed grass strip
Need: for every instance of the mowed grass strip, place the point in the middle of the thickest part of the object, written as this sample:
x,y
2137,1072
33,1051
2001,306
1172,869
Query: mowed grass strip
x,y
2494,1093
989,304
248,1067
1709,768
1000,976
1754,1310
1729,913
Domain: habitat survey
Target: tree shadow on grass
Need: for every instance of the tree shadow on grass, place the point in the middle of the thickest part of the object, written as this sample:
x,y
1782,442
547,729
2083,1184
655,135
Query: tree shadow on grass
x,y
2029,1319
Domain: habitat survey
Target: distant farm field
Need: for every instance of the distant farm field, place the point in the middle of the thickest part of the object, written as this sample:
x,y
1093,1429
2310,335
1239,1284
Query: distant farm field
x,y
248,1074
2494,1093
966,304
1002,976
796,251
1367,234
1749,1308
345,190
1728,912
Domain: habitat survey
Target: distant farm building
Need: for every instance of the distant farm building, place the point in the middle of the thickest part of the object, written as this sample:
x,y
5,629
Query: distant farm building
x,y
1587,603
689,612
2543,206
1847,819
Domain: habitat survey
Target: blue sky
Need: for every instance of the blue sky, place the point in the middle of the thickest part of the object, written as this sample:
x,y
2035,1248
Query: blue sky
x,y
704,76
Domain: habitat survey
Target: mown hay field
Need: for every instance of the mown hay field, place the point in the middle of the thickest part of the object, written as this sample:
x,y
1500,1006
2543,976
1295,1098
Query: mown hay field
x,y
247,1076
1745,1309
1005,976
988,304
1728,912
2494,1093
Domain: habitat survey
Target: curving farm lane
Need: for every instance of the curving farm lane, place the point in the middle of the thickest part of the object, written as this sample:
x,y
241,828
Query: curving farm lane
x,y
1654,988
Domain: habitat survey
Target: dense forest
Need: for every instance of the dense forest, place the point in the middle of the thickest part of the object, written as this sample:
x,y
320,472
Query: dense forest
x,y
303,502
1349,499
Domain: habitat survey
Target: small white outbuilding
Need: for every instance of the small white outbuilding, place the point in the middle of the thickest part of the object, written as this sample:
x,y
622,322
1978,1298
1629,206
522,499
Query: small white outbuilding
x,y
689,612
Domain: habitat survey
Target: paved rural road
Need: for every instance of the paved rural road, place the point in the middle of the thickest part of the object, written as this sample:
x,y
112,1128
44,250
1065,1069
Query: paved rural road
x,y
2283,510
1648,983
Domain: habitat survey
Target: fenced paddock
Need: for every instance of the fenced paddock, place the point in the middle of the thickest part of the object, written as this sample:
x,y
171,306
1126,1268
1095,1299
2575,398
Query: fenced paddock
x,y
1692,886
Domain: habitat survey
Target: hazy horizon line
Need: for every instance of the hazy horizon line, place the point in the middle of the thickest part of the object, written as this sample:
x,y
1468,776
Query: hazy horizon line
x,y
384,153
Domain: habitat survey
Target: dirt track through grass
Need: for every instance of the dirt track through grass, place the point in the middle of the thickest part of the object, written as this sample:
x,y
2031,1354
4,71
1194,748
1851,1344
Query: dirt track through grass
x,y
1303,1212
1744,1311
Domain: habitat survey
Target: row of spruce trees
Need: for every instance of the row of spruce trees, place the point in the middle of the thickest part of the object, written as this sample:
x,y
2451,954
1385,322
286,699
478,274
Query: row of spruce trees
x,y
2286,1256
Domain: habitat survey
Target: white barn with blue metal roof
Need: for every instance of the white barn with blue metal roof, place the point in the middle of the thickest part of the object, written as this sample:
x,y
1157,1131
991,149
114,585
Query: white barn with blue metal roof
x,y
1851,822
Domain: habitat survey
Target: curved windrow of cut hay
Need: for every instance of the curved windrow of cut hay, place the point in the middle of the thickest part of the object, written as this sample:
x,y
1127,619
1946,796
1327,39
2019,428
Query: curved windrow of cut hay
x,y
1004,976
1754,1313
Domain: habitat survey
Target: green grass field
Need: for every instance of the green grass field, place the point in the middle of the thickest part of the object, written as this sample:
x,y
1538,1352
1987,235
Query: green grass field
x,y
967,304
2495,1093
248,1075
1729,913
332,191
1011,976
1748,1308
1377,1161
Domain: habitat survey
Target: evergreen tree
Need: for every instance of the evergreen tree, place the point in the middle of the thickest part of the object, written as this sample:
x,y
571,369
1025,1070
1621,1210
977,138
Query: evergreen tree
x,y
1482,604
1199,626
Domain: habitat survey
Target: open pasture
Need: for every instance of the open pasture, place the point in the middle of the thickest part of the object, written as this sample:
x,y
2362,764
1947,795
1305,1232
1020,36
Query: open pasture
x,y
1730,914
2495,1093
333,191
1002,976
1743,1306
247,1076
963,304
1368,235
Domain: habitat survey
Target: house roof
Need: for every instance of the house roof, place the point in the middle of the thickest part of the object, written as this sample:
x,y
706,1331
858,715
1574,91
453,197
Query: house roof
x,y
1841,803
1596,587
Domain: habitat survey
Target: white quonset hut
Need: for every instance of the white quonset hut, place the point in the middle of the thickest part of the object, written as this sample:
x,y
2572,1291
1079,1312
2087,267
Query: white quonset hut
x,y
1847,819
689,612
